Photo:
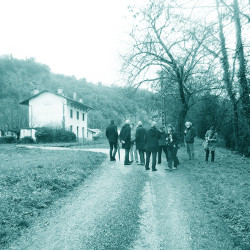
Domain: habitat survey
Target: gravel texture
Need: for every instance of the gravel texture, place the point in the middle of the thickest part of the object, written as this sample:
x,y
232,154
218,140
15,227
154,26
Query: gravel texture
x,y
126,207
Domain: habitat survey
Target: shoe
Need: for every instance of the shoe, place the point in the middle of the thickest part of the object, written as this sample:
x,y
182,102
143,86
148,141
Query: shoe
x,y
147,168
159,163
167,168
127,163
154,169
113,158
142,164
174,168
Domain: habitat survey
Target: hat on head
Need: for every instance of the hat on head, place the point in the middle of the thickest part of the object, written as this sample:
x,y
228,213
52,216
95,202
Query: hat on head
x,y
153,124
188,124
139,123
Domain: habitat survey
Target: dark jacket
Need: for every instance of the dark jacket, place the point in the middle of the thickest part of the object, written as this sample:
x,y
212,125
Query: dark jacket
x,y
211,138
125,135
140,138
162,141
174,143
151,139
111,133
189,135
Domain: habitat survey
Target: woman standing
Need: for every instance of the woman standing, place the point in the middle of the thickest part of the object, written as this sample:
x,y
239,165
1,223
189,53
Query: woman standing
x,y
211,138
172,147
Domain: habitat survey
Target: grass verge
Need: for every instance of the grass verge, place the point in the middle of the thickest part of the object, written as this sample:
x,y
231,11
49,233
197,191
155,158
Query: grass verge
x,y
32,179
224,188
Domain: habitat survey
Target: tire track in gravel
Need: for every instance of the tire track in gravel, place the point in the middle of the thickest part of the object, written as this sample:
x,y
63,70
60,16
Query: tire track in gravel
x,y
126,207
101,214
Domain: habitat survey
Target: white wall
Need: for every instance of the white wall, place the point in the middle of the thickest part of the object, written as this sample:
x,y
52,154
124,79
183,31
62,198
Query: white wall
x,y
74,122
46,110
28,132
49,109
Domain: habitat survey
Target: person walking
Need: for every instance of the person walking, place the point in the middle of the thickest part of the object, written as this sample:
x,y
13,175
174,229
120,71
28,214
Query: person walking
x,y
112,136
162,143
151,142
140,142
133,150
211,138
189,134
125,139
172,147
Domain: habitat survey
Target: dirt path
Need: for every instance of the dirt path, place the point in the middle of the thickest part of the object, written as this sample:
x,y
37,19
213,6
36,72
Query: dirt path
x,y
126,207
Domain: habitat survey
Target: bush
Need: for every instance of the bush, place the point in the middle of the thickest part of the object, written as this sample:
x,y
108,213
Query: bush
x,y
8,139
54,135
26,140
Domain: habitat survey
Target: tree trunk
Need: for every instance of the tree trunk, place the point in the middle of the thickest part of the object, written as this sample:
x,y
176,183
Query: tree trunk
x,y
184,109
236,127
227,80
181,121
242,65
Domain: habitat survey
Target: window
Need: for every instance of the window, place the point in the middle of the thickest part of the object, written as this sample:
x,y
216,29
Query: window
x,y
77,115
71,113
71,128
83,116
77,131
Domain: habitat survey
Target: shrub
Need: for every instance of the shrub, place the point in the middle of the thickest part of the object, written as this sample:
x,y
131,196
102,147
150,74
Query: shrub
x,y
26,139
8,139
54,135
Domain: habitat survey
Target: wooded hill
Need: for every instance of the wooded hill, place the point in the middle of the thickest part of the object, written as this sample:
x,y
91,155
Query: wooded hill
x,y
19,78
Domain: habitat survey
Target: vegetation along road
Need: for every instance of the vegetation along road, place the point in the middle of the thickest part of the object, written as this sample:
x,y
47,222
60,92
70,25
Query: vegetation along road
x,y
126,207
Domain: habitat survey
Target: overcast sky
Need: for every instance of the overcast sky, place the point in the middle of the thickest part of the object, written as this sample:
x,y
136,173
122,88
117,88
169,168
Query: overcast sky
x,y
73,37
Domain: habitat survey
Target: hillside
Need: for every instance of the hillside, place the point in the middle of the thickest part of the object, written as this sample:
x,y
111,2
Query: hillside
x,y
19,78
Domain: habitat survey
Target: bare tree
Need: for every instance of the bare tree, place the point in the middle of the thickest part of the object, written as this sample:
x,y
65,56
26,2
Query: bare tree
x,y
165,42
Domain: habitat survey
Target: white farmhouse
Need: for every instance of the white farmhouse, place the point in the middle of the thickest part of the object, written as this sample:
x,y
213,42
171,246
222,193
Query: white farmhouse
x,y
47,109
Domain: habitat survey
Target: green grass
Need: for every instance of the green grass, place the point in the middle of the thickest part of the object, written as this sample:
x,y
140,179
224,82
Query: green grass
x,y
224,188
32,179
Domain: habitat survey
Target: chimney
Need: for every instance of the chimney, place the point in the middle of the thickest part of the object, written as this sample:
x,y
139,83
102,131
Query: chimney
x,y
60,91
74,95
80,100
35,91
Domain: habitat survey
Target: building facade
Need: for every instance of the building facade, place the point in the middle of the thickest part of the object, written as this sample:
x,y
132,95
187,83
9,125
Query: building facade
x,y
47,109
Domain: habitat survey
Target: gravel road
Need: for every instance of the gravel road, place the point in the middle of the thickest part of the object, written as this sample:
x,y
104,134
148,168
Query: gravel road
x,y
126,207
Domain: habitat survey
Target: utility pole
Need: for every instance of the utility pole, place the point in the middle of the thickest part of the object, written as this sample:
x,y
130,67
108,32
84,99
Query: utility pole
x,y
163,103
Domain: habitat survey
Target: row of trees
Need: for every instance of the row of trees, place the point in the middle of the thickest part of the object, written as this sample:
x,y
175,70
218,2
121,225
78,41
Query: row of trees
x,y
195,60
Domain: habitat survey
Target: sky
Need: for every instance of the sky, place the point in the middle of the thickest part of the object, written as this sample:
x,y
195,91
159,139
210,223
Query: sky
x,y
73,37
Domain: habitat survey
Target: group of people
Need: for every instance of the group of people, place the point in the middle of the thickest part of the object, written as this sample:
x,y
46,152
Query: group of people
x,y
154,141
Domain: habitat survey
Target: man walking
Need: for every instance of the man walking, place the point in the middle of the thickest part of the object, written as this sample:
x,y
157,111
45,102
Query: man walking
x,y
189,139
162,143
125,139
133,151
140,142
151,140
112,135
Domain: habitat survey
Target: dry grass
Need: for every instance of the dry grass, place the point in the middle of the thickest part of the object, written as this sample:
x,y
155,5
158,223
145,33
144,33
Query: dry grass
x,y
32,179
224,188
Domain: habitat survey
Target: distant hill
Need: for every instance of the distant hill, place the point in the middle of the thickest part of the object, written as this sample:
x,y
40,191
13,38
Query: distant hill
x,y
19,78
